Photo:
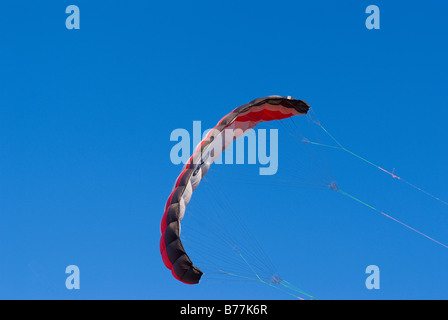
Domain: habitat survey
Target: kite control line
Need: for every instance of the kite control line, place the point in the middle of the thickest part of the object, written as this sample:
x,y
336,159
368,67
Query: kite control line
x,y
386,215
341,147
277,281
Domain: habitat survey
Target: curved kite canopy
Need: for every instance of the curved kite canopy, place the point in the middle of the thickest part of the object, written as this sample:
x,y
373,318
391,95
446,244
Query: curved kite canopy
x,y
239,120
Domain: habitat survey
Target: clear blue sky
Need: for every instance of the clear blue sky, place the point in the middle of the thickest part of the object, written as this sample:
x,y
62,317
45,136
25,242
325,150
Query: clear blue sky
x,y
86,115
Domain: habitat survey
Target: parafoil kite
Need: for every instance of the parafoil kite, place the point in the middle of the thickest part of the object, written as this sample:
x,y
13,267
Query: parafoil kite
x,y
239,120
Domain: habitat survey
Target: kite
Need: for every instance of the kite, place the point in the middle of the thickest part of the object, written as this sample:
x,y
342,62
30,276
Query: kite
x,y
239,121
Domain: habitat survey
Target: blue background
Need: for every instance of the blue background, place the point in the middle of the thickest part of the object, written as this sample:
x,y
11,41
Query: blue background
x,y
86,115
